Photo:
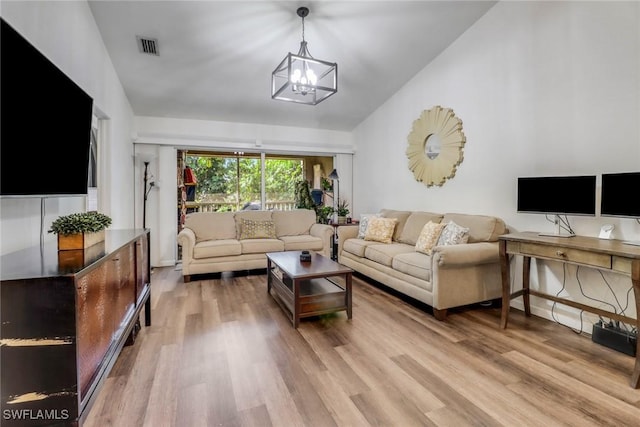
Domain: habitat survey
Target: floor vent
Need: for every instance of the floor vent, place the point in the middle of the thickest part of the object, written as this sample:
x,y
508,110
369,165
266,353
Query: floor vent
x,y
147,45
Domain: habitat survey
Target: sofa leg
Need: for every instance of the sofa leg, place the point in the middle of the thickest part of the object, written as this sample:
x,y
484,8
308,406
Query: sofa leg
x,y
440,314
186,278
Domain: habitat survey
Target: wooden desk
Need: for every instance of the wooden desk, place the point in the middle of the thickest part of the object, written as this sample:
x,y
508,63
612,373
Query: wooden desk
x,y
608,255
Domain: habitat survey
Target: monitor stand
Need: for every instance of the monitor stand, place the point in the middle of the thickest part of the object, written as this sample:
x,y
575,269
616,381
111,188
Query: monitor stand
x,y
559,235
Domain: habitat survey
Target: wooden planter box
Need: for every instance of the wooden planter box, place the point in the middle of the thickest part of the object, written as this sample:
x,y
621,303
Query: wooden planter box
x,y
79,241
75,259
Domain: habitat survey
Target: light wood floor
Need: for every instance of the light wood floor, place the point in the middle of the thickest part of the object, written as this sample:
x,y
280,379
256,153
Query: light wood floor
x,y
220,352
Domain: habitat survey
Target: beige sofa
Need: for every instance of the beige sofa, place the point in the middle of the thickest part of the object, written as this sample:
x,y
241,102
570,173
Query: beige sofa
x,y
214,242
452,276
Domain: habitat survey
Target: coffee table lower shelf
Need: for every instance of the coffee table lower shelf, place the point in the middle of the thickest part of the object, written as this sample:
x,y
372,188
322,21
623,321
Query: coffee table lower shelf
x,y
315,297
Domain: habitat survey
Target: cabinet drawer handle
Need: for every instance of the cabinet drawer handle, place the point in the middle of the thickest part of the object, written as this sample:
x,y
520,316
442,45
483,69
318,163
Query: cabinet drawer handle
x,y
559,253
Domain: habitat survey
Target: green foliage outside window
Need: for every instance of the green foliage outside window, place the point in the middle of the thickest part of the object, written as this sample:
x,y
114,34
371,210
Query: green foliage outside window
x,y
232,182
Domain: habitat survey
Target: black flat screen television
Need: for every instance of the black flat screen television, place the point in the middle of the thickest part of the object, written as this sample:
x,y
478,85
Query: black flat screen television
x,y
558,195
620,195
45,124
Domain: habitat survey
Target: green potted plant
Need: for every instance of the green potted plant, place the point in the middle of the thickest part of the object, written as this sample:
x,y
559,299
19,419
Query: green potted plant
x,y
342,209
324,212
303,199
80,230
326,184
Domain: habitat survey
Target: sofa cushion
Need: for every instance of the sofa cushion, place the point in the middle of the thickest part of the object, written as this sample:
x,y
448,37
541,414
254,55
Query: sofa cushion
x,y
211,225
252,229
384,253
380,229
401,216
301,243
414,225
216,248
414,264
481,228
296,222
453,234
364,223
253,246
429,237
254,215
357,246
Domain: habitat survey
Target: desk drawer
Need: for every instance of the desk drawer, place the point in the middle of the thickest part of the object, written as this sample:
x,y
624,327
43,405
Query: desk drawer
x,y
622,265
566,254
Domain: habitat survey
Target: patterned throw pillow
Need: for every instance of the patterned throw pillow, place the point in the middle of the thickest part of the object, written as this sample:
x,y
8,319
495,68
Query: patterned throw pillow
x,y
380,229
429,236
364,223
253,229
453,234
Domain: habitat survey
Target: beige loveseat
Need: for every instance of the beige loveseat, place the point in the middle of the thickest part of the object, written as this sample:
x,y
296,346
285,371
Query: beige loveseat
x,y
214,242
451,276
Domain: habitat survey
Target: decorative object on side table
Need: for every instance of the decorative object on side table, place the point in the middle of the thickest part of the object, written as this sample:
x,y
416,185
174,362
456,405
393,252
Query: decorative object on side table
x,y
342,210
80,230
305,256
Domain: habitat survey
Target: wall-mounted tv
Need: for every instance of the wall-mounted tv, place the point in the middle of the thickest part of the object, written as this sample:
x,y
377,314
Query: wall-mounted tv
x,y
620,195
45,124
558,195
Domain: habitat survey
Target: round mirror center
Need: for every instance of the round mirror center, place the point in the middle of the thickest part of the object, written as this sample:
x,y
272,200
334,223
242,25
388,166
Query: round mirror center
x,y
432,146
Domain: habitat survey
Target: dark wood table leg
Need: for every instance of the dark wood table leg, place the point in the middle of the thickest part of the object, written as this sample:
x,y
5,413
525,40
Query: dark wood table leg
x,y
147,309
635,280
296,303
526,276
269,275
349,300
506,284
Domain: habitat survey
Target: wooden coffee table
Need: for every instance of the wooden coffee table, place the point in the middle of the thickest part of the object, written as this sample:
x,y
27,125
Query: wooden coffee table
x,y
305,289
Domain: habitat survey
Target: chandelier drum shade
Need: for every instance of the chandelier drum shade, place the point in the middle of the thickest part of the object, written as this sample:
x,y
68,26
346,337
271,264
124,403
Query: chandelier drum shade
x,y
301,78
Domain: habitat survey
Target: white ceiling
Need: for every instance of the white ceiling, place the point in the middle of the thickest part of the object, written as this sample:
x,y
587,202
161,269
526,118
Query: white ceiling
x,y
216,57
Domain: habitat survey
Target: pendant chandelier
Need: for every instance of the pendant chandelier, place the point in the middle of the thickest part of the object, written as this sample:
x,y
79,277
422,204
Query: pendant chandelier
x,y
301,78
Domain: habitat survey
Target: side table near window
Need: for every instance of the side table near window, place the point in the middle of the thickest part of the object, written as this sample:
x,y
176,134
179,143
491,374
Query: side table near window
x,y
334,240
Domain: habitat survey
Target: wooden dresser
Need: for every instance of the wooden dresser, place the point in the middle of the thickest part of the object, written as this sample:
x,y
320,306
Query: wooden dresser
x,y
65,317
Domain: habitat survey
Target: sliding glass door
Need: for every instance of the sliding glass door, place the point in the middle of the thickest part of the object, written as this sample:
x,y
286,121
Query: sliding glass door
x,y
234,181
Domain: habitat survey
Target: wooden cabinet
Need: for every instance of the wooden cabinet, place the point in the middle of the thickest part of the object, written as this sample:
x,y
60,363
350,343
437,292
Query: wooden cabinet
x,y
63,325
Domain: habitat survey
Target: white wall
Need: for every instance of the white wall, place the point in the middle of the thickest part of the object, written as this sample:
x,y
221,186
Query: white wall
x,y
66,33
542,88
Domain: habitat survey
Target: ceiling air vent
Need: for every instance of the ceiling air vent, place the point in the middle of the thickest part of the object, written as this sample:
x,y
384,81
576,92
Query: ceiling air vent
x,y
148,45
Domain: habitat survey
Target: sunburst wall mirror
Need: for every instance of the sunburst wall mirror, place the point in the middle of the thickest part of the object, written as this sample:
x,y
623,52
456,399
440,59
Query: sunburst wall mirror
x,y
435,146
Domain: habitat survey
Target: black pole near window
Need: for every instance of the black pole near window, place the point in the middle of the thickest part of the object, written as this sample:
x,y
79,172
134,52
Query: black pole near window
x,y
146,193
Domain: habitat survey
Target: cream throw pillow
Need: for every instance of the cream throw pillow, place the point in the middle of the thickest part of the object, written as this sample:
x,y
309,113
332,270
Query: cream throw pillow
x,y
253,229
429,236
380,229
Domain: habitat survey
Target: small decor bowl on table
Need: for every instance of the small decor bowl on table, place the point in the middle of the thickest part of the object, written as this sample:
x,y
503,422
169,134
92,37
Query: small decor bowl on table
x,y
305,256
80,230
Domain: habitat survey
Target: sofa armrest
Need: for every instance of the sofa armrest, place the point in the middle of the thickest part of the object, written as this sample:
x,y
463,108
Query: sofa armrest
x,y
325,232
344,233
187,239
467,254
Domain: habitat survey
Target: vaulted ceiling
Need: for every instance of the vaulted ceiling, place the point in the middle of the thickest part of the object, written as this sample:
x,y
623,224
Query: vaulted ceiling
x,y
216,57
